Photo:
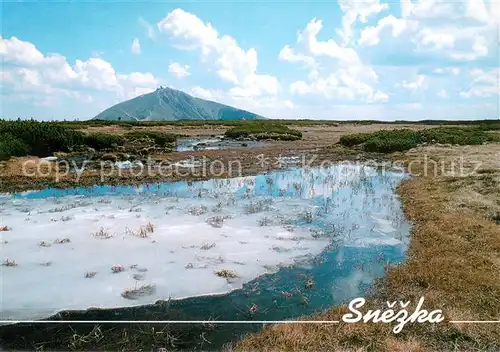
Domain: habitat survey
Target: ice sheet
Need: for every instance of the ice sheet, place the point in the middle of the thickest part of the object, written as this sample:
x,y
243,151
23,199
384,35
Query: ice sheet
x,y
176,236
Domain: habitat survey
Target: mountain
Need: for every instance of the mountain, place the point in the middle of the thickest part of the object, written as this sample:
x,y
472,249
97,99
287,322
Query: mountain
x,y
166,104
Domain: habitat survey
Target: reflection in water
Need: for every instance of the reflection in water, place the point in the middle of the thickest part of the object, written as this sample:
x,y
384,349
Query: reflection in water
x,y
213,143
320,236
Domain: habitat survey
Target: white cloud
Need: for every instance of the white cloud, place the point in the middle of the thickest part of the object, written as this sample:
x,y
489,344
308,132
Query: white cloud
x,y
342,76
442,94
202,93
461,31
24,53
289,54
233,64
139,79
136,47
26,69
477,10
413,85
370,35
484,84
427,9
178,70
308,39
357,10
269,106
150,31
447,70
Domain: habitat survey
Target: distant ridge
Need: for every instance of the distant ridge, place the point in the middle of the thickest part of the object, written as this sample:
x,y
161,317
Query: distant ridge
x,y
167,104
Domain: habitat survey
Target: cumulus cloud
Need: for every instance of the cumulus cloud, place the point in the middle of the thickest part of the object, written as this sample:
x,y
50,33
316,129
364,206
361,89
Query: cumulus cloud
x,y
379,51
357,11
178,70
350,80
484,84
460,31
370,35
413,85
447,71
232,63
26,69
442,94
136,47
202,93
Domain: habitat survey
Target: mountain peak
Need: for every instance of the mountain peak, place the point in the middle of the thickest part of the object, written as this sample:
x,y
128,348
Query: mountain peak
x,y
168,104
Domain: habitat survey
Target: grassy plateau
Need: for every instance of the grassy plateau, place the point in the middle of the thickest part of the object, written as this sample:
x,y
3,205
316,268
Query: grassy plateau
x,y
453,255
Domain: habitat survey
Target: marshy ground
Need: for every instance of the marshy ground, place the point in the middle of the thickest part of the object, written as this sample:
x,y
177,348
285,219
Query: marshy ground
x,y
453,256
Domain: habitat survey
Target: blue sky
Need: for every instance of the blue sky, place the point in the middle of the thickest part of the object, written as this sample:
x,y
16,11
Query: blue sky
x,y
368,59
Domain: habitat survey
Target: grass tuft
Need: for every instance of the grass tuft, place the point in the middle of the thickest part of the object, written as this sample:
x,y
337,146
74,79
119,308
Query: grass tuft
x,y
8,262
115,269
102,234
145,290
207,246
90,274
226,273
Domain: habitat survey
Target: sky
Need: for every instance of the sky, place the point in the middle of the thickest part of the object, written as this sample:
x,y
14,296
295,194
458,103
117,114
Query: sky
x,y
345,59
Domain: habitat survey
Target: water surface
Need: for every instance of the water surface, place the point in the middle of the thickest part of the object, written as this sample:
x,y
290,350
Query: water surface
x,y
300,240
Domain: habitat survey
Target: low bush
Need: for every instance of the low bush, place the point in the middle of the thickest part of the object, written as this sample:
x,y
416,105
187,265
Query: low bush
x,y
405,139
36,138
11,146
101,141
159,138
30,137
350,140
461,136
263,130
381,145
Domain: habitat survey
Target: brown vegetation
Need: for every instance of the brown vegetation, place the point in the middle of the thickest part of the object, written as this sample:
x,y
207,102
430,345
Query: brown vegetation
x,y
453,261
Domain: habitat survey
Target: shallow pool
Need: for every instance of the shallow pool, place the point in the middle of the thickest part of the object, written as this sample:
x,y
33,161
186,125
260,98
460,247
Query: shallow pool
x,y
297,241
213,143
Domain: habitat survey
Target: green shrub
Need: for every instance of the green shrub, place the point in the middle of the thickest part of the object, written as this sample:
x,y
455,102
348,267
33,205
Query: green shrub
x,y
41,138
10,146
350,140
159,138
101,141
453,135
405,139
263,130
380,145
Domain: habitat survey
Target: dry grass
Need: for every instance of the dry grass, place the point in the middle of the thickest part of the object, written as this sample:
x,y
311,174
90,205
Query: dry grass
x,y
143,231
115,269
8,262
226,273
150,227
453,261
102,234
207,246
146,290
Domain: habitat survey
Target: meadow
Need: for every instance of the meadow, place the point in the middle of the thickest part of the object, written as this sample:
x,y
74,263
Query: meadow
x,y
283,240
